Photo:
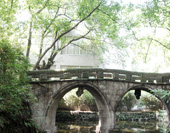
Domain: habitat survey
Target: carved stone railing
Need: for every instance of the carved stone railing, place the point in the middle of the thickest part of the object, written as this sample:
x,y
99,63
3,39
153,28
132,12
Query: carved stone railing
x,y
99,74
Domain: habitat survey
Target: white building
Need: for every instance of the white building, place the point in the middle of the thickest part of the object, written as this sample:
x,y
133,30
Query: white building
x,y
72,56
75,57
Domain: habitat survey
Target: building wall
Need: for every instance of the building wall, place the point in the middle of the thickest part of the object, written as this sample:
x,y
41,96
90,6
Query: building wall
x,y
76,61
77,55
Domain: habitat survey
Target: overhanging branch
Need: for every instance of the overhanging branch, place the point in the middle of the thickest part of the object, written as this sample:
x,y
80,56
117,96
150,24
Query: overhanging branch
x,y
148,50
75,39
42,7
107,15
53,54
160,43
37,63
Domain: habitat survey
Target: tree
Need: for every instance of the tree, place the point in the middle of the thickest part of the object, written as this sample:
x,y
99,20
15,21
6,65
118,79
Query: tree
x,y
150,102
156,15
7,10
149,35
163,94
57,18
15,113
128,101
71,101
99,23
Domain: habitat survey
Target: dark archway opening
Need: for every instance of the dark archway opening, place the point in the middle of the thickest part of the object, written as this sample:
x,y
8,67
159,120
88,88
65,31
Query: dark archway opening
x,y
77,111
140,110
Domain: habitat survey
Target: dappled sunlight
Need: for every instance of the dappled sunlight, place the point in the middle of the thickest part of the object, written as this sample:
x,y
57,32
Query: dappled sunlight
x,y
84,103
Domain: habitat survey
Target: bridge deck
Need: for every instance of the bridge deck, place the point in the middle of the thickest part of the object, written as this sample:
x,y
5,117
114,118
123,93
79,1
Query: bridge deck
x,y
96,74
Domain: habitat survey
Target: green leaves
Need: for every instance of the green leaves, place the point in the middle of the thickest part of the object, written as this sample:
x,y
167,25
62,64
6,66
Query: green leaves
x,y
128,101
163,94
7,13
14,89
13,62
55,17
71,100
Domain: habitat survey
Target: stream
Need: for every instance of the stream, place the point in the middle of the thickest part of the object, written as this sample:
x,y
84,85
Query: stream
x,y
121,127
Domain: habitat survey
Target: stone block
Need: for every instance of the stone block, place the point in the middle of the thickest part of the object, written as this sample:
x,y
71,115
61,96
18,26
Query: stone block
x,y
84,75
100,75
43,77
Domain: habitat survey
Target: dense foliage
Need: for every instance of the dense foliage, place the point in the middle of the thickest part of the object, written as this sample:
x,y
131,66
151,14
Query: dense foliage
x,y
149,101
146,101
163,94
127,102
15,113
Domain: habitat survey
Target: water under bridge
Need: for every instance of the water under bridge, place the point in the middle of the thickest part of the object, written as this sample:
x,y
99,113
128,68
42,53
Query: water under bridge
x,y
107,86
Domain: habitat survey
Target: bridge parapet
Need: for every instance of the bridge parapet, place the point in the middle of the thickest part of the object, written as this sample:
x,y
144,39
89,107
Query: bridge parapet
x,y
99,74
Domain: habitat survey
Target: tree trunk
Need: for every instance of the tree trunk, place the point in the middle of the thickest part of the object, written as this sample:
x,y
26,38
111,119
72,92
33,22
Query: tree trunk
x,y
29,40
41,45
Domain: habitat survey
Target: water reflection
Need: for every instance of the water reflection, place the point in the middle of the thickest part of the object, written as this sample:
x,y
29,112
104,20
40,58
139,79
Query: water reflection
x,y
77,126
121,127
133,127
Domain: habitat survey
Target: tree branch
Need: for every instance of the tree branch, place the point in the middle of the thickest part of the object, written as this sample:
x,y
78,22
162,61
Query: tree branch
x,y
53,54
82,47
107,15
160,43
12,2
44,34
42,7
37,63
152,40
148,50
41,44
161,27
75,39
136,38
52,21
29,40
71,20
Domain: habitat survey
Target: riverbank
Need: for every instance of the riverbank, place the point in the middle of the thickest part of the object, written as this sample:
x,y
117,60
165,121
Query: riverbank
x,y
138,116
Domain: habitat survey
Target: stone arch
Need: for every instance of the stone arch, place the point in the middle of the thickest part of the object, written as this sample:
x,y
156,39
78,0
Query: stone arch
x,y
144,88
106,115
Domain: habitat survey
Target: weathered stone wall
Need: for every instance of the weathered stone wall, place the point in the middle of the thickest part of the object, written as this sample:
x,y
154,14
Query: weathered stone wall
x,y
162,116
136,116
130,125
162,120
72,116
120,116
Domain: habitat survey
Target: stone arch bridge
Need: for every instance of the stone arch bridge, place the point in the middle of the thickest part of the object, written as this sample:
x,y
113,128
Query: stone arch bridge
x,y
106,85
